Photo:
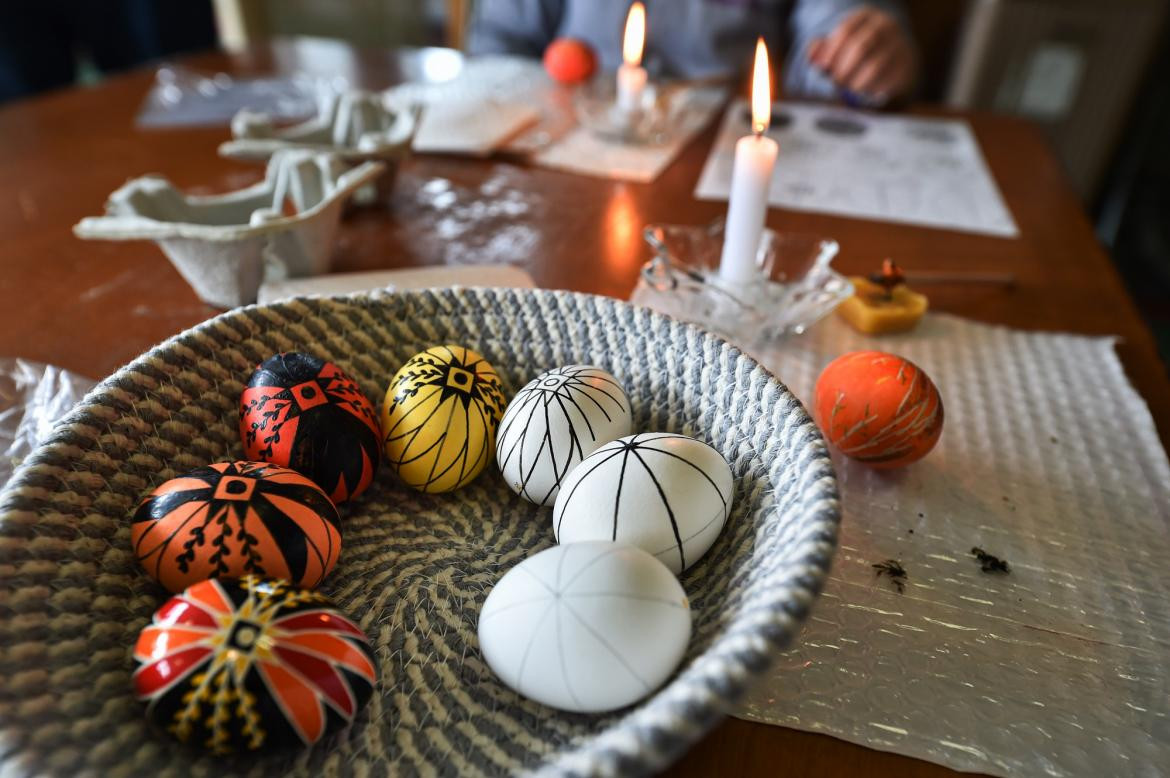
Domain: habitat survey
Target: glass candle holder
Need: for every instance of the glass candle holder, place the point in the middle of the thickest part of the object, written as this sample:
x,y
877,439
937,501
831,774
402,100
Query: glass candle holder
x,y
650,123
796,286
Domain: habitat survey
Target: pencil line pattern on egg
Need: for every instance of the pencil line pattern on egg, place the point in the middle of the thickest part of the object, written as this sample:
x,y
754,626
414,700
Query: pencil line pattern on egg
x,y
608,647
569,390
599,558
532,640
561,651
719,516
916,415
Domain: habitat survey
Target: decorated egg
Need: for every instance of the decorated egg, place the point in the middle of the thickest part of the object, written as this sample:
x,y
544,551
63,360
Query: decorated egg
x,y
233,519
586,627
440,416
667,494
569,60
878,408
556,420
253,664
302,412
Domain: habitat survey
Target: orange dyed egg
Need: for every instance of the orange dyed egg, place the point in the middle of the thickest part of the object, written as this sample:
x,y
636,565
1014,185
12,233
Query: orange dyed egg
x,y
569,60
878,408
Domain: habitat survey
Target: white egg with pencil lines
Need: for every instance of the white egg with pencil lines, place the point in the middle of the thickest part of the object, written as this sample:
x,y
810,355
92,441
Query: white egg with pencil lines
x,y
587,627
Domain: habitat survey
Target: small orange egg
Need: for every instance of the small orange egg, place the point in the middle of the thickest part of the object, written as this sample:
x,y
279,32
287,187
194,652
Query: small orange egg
x,y
569,60
878,408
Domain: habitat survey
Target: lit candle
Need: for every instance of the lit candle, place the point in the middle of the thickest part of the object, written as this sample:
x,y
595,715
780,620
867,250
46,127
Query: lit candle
x,y
631,77
755,156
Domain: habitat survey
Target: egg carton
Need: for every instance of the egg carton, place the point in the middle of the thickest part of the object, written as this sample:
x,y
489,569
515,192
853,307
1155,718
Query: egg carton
x,y
356,126
227,245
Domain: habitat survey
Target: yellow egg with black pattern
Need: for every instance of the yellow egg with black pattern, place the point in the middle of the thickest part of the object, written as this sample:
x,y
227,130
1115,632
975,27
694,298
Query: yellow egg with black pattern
x,y
439,418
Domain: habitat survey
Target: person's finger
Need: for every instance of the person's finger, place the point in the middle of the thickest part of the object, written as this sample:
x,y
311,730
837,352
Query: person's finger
x,y
861,46
897,81
876,69
894,81
815,48
841,34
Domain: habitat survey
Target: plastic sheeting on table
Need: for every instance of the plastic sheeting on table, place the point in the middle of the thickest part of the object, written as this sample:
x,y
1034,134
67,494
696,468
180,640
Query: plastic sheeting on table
x,y
33,397
181,97
1048,459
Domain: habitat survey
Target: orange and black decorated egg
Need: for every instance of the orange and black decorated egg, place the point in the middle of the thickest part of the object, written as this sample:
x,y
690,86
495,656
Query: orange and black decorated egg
x,y
303,412
234,519
254,664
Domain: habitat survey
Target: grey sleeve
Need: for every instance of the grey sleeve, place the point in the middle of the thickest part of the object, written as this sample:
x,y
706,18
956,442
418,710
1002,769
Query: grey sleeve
x,y
812,19
524,27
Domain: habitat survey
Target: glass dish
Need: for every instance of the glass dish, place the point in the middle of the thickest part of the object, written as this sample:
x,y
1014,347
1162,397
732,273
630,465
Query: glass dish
x,y
797,286
595,104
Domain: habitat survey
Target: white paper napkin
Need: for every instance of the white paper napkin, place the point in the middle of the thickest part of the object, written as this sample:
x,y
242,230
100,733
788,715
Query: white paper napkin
x,y
476,128
580,151
517,83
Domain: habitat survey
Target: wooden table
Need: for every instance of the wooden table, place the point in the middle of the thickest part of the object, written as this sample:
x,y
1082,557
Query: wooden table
x,y
92,306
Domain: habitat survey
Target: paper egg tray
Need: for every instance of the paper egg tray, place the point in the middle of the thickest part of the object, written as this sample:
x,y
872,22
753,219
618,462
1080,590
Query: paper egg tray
x,y
414,568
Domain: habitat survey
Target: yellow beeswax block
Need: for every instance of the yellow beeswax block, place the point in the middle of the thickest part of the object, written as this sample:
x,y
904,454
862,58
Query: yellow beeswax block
x,y
874,311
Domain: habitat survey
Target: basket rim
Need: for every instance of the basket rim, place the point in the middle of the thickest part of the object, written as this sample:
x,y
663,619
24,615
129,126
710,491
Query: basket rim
x,y
662,726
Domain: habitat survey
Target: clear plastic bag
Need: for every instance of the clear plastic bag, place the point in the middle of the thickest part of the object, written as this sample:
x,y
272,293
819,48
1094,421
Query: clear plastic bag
x,y
181,97
33,397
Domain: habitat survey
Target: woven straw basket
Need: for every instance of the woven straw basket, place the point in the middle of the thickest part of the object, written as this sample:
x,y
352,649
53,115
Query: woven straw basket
x,y
414,568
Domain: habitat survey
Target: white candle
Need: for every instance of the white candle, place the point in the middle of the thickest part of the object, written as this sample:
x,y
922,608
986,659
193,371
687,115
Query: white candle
x,y
755,157
631,80
631,76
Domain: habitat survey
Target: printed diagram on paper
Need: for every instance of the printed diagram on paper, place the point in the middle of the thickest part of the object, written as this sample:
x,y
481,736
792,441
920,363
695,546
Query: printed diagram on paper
x,y
929,172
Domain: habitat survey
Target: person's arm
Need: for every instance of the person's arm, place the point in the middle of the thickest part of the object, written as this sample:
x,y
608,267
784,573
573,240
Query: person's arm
x,y
524,27
846,45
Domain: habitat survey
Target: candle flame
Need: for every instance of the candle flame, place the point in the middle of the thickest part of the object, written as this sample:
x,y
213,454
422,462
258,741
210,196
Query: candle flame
x,y
635,35
761,89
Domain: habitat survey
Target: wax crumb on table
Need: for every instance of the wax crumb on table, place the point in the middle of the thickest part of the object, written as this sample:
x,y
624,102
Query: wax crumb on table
x,y
892,569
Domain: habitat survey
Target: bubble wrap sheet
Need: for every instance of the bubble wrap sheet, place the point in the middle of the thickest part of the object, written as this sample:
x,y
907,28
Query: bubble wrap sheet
x,y
1050,460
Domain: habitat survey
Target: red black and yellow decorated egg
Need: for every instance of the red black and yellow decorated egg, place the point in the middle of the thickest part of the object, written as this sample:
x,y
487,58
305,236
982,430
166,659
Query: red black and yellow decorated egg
x,y
253,664
878,408
303,412
440,416
234,519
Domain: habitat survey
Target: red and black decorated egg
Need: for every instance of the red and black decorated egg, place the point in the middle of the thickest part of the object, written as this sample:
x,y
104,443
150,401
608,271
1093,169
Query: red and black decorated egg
x,y
304,413
234,519
253,664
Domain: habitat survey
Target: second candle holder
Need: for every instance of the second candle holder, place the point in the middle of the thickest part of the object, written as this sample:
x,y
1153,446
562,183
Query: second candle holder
x,y
651,122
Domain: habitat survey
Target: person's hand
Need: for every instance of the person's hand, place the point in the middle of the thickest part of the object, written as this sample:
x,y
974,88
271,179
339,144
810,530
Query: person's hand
x,y
869,53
